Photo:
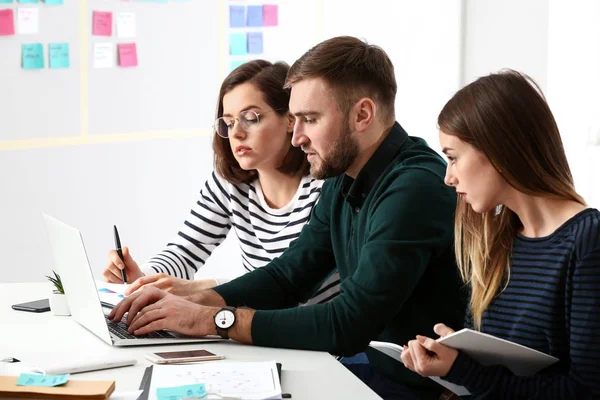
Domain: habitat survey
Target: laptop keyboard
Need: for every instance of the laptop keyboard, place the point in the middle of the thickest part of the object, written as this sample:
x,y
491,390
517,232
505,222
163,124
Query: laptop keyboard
x,y
119,329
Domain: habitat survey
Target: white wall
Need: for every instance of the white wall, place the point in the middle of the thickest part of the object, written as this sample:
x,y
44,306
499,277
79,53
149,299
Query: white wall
x,y
574,87
145,188
557,43
423,40
505,34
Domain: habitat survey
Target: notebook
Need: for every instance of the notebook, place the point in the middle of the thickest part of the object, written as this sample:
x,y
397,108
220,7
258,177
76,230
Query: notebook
x,y
487,350
243,380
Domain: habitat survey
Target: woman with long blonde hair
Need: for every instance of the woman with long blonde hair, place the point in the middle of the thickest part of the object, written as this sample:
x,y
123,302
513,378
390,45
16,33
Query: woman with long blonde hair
x,y
526,244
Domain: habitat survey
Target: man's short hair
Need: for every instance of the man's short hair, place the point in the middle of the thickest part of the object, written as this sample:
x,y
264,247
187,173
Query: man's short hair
x,y
352,69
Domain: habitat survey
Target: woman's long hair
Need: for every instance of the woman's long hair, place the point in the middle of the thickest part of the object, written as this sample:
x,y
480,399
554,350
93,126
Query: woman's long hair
x,y
506,117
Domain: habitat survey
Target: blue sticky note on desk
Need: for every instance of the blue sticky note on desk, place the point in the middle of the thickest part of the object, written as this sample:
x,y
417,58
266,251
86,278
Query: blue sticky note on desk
x,y
238,44
54,2
6,1
58,54
255,16
237,16
42,380
28,1
181,392
32,56
255,42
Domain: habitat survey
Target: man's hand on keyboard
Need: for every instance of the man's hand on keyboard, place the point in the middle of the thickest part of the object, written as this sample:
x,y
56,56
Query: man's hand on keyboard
x,y
152,309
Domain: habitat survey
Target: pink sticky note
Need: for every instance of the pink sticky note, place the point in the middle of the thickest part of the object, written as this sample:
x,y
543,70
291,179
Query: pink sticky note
x,y
270,15
102,23
127,55
7,22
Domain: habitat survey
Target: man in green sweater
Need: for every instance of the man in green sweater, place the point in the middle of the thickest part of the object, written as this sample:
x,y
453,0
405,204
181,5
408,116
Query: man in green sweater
x,y
384,219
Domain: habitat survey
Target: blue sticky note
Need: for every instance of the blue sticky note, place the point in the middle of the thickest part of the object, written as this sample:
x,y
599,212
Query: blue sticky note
x,y
255,42
57,2
235,63
32,56
255,16
6,1
58,55
28,1
42,380
237,16
179,392
237,44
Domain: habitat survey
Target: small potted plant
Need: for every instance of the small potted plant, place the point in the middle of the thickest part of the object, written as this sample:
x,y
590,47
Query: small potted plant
x,y
58,300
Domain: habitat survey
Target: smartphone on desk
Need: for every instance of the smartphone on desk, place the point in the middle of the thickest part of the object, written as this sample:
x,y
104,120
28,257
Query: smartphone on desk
x,y
182,356
36,306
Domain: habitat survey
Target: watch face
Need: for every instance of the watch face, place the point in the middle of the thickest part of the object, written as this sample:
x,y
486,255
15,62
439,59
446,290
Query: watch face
x,y
224,319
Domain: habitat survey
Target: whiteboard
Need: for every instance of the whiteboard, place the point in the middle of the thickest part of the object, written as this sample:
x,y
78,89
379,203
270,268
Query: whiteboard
x,y
183,55
132,147
41,103
174,85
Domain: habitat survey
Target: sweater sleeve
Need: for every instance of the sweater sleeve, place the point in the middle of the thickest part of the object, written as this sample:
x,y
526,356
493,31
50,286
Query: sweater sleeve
x,y
204,229
579,376
395,254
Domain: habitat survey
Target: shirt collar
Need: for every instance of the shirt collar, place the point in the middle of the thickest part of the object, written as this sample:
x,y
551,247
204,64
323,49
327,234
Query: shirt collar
x,y
356,190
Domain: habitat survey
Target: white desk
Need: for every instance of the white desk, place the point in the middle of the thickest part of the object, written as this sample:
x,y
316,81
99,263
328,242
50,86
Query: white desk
x,y
306,374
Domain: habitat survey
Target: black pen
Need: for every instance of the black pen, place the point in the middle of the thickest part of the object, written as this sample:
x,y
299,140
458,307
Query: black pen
x,y
120,253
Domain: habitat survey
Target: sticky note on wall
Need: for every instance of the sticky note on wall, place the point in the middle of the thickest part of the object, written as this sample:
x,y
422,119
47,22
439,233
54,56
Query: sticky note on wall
x,y
102,23
104,55
53,2
126,26
270,15
7,22
237,16
28,18
28,1
255,42
32,56
58,55
255,16
238,44
127,55
6,1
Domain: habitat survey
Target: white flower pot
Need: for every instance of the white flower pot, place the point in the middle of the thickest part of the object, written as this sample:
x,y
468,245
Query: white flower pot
x,y
58,304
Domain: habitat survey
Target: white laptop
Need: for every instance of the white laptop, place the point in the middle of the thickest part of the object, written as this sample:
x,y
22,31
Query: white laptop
x,y
82,295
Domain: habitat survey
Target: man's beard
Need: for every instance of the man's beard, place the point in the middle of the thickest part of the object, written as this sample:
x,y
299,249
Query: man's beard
x,y
342,154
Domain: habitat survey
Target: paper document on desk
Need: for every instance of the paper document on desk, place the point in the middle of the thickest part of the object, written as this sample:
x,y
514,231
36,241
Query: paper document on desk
x,y
485,349
111,293
243,380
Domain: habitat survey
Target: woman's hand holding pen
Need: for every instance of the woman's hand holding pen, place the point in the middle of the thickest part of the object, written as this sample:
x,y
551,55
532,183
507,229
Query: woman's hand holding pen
x,y
112,273
427,357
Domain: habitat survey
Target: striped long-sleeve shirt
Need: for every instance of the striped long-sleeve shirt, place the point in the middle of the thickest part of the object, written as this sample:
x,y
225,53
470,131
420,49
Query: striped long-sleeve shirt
x,y
263,233
551,304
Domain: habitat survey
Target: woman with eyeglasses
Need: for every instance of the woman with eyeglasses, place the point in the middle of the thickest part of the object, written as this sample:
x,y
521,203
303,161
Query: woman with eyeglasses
x,y
260,187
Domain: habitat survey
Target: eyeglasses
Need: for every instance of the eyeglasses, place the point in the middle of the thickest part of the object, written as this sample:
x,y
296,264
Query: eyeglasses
x,y
248,121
